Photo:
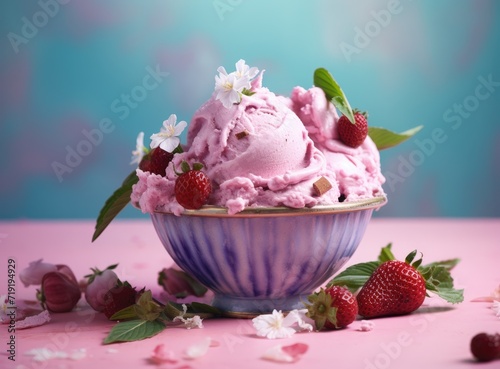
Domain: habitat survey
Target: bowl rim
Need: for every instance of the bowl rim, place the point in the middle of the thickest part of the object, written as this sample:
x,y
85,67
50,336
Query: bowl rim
x,y
266,211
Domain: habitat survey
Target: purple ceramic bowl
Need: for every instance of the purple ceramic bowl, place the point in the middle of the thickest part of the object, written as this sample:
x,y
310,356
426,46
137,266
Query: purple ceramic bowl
x,y
264,258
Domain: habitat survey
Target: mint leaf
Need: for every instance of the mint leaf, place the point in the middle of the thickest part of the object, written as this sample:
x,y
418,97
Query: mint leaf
x,y
385,138
125,313
114,204
447,264
355,276
134,330
324,80
438,280
386,254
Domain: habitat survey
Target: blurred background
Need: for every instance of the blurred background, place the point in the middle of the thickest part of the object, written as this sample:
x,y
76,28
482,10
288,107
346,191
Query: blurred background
x,y
79,79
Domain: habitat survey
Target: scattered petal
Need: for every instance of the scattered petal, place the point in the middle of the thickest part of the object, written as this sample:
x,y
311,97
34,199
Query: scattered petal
x,y
34,272
496,308
34,320
199,349
112,351
161,355
366,326
300,317
286,354
194,322
45,354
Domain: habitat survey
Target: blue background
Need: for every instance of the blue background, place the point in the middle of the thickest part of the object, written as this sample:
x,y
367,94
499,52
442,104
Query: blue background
x,y
66,67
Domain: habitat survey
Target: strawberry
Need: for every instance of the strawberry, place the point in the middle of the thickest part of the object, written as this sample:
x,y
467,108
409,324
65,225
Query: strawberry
x,y
353,135
332,308
485,347
192,187
156,161
394,288
100,282
117,298
59,293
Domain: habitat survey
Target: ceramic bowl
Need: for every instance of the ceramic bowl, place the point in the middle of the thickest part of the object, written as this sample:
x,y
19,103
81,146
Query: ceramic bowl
x,y
264,258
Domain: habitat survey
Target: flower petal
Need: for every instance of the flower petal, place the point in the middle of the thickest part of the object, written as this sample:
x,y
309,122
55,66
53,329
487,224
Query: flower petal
x,y
169,144
199,349
286,354
33,274
179,127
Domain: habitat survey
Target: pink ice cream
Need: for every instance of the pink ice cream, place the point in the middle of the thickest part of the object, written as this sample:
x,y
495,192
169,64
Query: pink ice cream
x,y
268,151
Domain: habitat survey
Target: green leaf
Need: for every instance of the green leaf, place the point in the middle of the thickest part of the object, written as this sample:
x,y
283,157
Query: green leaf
x,y
385,138
438,280
125,313
147,308
355,276
204,311
134,330
386,254
447,264
114,204
324,80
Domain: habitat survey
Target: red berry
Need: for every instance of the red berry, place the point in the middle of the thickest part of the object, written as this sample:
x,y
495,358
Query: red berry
x,y
60,292
394,288
332,308
156,161
192,188
353,134
118,298
485,347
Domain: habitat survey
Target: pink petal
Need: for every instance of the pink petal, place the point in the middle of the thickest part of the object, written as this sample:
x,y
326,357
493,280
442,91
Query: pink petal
x,y
286,354
161,355
34,320
296,349
483,299
199,349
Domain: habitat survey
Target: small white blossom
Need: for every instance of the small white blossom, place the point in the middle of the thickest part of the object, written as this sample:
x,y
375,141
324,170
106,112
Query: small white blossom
x,y
243,70
168,138
366,326
140,149
230,86
276,325
194,322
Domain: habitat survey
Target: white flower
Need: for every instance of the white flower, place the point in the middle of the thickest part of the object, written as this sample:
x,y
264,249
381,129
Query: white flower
x,y
243,70
275,325
168,138
140,149
230,86
194,322
496,308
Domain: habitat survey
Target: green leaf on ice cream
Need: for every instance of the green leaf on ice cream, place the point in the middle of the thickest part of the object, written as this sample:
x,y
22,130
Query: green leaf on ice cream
x,y
324,80
384,139
114,204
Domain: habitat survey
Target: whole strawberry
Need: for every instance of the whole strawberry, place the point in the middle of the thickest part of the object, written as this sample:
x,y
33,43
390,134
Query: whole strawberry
x,y
59,292
156,161
332,308
395,288
119,297
100,282
485,347
353,135
192,187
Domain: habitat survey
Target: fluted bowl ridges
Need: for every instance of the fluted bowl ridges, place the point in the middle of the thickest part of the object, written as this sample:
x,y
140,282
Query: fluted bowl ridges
x,y
264,258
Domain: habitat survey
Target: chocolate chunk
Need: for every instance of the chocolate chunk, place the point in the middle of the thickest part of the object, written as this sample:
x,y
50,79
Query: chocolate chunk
x,y
242,134
321,186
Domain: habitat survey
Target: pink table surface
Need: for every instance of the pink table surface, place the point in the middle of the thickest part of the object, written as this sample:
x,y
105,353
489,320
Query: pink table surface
x,y
435,336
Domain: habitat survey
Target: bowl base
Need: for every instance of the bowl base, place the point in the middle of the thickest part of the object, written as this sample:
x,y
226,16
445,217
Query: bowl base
x,y
240,307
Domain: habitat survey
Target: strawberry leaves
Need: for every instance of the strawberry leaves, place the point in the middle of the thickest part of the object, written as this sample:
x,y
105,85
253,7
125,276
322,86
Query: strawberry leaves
x,y
385,139
438,279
